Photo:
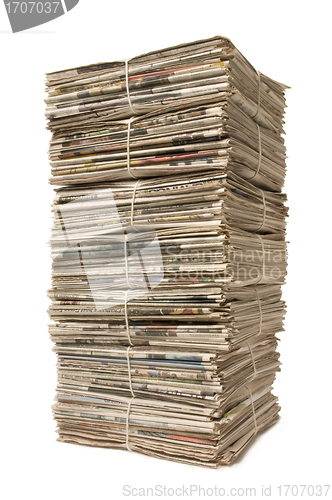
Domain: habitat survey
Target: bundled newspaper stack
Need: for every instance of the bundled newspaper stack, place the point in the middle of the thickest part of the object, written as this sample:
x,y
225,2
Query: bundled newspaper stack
x,y
168,250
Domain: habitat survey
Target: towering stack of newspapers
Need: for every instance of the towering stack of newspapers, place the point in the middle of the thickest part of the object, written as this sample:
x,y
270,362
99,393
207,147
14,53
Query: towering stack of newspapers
x,y
169,251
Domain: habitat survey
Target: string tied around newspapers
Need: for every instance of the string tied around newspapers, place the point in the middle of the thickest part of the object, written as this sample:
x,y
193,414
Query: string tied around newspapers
x,y
246,386
131,345
258,131
126,298
255,430
134,118
132,175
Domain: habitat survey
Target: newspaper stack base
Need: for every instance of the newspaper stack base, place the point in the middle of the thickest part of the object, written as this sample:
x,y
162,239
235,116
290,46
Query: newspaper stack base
x,y
169,252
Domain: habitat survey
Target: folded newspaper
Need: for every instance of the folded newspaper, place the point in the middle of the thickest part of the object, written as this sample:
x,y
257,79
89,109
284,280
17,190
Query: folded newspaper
x,y
169,252
221,137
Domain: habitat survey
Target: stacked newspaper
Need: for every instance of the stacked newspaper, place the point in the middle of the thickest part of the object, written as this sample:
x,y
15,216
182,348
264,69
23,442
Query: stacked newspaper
x,y
207,71
169,253
195,140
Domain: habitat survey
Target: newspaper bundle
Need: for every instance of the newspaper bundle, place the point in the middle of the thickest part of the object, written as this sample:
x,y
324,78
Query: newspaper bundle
x,y
169,252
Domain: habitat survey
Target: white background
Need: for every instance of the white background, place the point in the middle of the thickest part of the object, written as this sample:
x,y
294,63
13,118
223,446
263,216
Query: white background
x,y
288,41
